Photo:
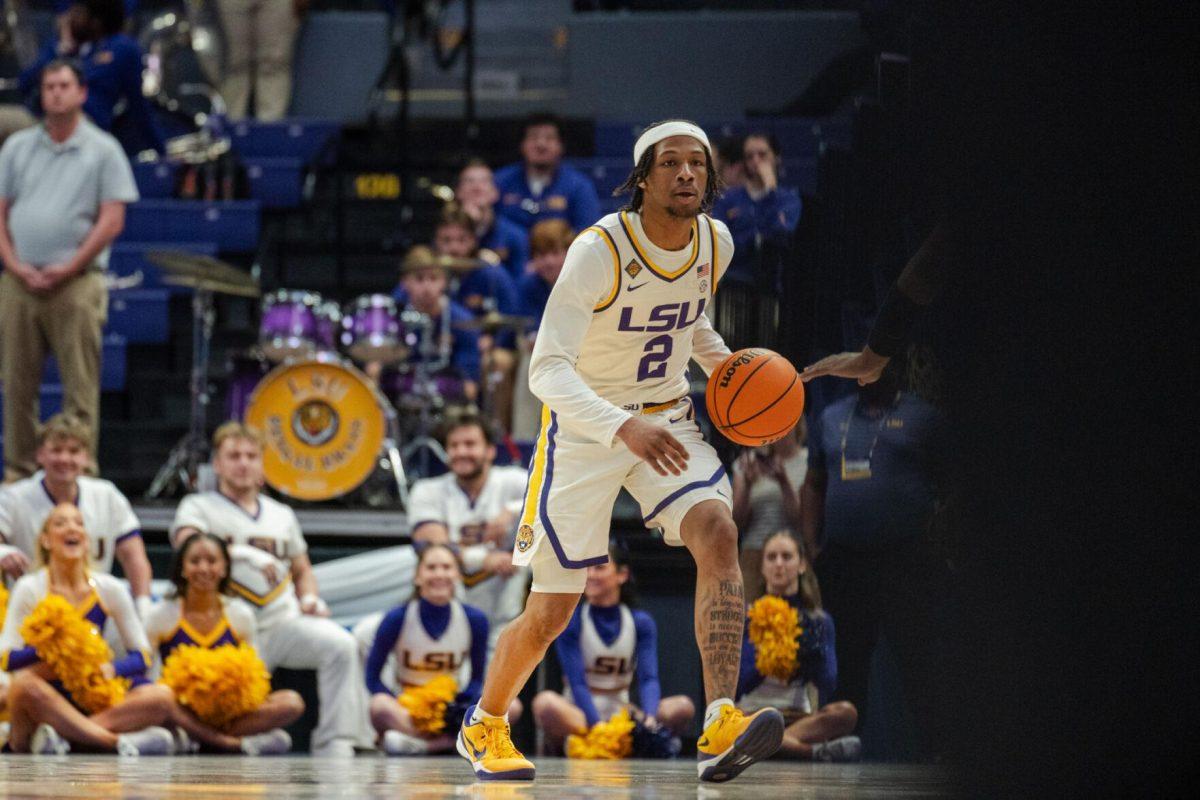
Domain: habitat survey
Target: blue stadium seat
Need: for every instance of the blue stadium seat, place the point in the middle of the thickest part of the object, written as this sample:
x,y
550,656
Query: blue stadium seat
x,y
126,258
275,182
303,139
112,365
606,172
154,180
232,224
339,55
139,315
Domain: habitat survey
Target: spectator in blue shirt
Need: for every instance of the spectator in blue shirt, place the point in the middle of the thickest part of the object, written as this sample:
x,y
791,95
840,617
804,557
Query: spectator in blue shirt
x,y
761,215
476,192
488,288
548,242
90,31
423,288
866,504
540,186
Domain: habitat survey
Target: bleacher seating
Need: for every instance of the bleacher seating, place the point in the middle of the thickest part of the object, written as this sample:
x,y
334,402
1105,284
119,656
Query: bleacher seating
x,y
231,224
139,315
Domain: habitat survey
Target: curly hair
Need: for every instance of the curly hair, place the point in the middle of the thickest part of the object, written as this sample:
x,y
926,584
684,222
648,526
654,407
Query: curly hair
x,y
712,188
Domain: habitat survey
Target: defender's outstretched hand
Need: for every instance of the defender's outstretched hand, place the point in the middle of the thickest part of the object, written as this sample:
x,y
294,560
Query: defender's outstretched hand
x,y
865,367
654,445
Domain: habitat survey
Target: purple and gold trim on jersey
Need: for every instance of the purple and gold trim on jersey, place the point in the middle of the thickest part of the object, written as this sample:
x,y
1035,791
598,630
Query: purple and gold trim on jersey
x,y
627,228
184,633
606,237
537,495
260,600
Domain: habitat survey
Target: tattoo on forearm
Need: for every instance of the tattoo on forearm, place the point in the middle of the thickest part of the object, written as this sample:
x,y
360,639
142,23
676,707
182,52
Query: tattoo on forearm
x,y
721,616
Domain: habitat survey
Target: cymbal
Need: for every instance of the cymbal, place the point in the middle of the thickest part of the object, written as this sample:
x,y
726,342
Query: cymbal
x,y
494,321
194,265
212,284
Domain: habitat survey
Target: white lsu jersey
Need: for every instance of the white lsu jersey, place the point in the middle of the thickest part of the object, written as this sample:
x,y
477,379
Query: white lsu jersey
x,y
270,537
442,500
108,517
608,667
420,658
638,312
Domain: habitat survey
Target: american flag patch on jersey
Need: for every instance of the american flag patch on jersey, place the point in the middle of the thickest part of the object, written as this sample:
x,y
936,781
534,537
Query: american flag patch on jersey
x,y
702,270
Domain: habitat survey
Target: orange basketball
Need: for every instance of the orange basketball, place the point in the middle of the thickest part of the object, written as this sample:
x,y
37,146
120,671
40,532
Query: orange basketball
x,y
755,397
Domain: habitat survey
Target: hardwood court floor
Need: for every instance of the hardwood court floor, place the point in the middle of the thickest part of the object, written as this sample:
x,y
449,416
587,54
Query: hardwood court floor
x,y
283,778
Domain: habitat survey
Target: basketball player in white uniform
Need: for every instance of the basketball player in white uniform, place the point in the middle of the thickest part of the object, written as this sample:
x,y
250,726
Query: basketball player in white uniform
x,y
112,526
475,508
271,570
611,366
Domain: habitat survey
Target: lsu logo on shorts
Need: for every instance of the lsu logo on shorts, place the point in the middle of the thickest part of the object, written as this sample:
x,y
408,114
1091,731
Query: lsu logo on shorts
x,y
524,538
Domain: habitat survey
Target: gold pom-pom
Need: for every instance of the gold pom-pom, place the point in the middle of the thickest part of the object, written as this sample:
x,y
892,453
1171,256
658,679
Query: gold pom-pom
x,y
73,648
604,740
775,631
427,704
3,601
219,684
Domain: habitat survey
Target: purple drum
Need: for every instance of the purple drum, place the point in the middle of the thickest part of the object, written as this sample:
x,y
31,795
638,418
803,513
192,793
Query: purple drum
x,y
329,322
371,330
245,372
288,328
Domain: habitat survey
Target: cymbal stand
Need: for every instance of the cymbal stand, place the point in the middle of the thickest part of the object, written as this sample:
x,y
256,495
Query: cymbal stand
x,y
425,389
184,459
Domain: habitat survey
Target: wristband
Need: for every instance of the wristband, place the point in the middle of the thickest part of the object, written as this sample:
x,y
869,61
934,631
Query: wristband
x,y
317,603
892,324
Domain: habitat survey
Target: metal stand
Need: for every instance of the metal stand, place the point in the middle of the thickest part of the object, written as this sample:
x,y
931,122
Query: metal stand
x,y
185,457
425,390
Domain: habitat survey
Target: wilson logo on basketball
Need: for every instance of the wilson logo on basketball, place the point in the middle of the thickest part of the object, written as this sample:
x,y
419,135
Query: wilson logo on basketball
x,y
742,360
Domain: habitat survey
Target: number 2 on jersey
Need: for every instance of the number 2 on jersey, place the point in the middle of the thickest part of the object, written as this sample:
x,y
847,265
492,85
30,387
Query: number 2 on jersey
x,y
654,361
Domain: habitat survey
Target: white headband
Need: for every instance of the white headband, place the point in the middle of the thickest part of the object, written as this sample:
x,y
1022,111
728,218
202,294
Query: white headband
x,y
675,127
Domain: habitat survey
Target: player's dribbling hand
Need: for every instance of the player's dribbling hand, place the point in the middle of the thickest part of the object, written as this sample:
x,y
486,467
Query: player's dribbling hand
x,y
654,445
865,366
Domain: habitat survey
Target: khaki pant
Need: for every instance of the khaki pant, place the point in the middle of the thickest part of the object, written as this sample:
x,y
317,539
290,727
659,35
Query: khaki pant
x,y
259,34
66,322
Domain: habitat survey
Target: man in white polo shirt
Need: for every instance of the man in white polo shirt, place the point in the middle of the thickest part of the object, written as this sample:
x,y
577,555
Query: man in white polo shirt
x,y
64,185
271,570
112,526
474,506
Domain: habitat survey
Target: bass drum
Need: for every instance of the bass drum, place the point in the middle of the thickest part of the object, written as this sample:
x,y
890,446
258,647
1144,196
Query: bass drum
x,y
324,424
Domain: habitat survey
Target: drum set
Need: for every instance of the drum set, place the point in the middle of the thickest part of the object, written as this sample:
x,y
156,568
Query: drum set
x,y
344,395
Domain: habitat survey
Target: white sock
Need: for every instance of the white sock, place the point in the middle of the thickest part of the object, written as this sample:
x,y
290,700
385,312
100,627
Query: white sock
x,y
714,710
478,713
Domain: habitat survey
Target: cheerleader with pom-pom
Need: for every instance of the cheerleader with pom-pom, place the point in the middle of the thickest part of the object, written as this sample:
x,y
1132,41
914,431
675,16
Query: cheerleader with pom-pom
x,y
435,641
603,646
205,643
789,646
67,691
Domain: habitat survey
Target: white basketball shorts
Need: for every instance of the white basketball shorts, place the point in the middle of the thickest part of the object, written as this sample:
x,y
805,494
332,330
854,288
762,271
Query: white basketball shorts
x,y
573,483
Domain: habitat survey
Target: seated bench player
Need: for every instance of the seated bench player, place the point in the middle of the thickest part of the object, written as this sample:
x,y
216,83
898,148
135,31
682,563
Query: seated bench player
x,y
271,570
113,528
474,507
